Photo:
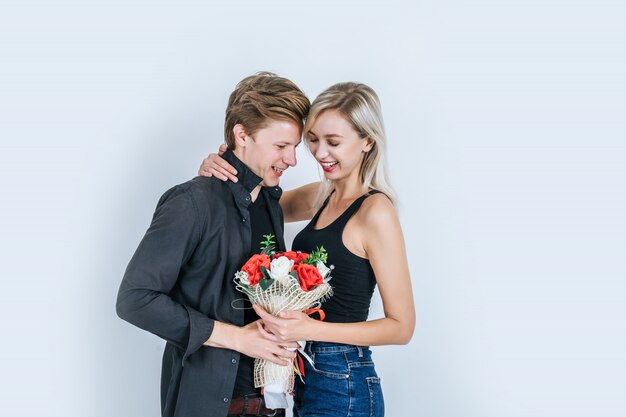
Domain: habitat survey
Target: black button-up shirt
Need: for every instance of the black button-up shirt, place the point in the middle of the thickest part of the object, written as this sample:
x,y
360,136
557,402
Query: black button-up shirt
x,y
180,280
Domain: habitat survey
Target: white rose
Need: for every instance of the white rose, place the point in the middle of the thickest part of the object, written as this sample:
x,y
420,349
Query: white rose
x,y
323,269
280,269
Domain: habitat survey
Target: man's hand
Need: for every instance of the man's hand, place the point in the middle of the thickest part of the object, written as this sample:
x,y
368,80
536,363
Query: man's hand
x,y
215,165
250,341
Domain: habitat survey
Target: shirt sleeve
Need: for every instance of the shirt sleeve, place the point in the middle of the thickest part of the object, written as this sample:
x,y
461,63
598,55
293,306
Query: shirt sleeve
x,y
143,298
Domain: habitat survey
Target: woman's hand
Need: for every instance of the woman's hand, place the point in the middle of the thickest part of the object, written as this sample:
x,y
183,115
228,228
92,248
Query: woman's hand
x,y
215,165
290,326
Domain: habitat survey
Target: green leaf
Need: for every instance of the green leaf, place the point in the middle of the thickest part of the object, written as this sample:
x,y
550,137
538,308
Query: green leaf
x,y
319,254
267,245
265,283
267,280
266,274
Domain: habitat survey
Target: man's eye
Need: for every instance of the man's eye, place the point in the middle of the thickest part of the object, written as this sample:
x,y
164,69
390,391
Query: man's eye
x,y
333,144
280,146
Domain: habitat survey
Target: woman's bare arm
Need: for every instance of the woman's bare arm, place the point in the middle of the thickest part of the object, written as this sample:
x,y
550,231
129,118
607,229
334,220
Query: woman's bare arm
x,y
298,204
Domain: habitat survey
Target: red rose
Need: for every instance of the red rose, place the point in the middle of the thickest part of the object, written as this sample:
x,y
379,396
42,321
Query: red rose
x,y
253,267
296,257
309,276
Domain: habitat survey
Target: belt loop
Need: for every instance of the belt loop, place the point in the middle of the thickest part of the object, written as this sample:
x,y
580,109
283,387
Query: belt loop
x,y
259,402
360,349
245,405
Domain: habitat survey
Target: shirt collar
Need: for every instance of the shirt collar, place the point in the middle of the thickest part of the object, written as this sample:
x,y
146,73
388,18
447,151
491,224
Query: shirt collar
x,y
248,180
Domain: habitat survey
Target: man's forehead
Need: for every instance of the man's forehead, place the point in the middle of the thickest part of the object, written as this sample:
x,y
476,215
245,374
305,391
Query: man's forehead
x,y
282,130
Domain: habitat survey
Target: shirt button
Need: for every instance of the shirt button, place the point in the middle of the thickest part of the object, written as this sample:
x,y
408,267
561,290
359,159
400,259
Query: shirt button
x,y
225,399
248,198
243,220
233,360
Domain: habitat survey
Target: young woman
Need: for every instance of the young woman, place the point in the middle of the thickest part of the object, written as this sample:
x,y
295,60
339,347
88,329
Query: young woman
x,y
353,216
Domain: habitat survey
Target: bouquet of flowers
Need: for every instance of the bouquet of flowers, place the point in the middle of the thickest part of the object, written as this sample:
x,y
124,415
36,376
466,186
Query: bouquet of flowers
x,y
280,282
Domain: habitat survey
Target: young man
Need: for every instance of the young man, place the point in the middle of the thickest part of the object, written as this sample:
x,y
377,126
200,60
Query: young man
x,y
179,284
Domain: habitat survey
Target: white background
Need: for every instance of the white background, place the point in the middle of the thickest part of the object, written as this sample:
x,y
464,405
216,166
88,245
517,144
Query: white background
x,y
506,126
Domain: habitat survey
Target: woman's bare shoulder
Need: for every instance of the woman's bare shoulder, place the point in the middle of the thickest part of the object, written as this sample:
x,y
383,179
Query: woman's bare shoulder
x,y
378,208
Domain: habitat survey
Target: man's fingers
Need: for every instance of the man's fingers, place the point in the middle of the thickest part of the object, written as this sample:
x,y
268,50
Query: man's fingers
x,y
282,352
265,333
261,312
285,355
293,345
277,355
277,360
289,314
289,354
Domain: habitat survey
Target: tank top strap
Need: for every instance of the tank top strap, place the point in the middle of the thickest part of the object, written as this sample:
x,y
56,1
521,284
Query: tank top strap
x,y
356,205
342,220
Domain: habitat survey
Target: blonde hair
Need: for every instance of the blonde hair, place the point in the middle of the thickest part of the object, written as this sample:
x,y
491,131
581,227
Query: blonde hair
x,y
360,105
261,97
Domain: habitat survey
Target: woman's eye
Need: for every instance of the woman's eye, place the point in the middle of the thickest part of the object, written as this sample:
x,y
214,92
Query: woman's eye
x,y
312,140
333,144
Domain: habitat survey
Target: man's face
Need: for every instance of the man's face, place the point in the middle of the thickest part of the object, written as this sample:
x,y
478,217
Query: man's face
x,y
271,150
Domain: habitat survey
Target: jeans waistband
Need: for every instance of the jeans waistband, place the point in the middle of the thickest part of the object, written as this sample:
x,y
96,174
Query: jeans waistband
x,y
327,347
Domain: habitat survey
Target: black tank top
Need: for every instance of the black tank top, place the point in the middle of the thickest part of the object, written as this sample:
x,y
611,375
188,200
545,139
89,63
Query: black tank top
x,y
353,279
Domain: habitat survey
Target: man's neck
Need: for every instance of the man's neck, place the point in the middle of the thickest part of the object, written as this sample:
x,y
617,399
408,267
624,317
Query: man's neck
x,y
239,153
255,193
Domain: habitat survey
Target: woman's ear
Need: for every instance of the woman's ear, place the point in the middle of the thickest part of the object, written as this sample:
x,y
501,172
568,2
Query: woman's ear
x,y
369,144
240,135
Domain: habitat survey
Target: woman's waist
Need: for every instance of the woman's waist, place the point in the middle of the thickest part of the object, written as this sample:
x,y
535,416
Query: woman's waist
x,y
330,347
337,313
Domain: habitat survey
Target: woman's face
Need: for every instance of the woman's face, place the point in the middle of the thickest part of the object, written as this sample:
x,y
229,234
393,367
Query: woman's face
x,y
336,146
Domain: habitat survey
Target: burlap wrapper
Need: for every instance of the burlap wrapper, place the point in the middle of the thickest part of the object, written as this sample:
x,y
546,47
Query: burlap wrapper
x,y
283,295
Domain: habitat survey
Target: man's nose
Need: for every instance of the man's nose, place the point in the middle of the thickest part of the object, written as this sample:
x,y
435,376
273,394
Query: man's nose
x,y
290,157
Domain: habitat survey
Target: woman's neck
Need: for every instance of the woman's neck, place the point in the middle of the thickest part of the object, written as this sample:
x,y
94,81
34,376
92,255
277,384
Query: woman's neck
x,y
348,189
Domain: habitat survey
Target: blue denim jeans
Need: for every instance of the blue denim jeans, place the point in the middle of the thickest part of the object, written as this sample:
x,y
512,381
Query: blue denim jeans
x,y
343,382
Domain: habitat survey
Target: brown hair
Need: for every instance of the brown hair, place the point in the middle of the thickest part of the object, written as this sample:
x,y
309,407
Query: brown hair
x,y
260,97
